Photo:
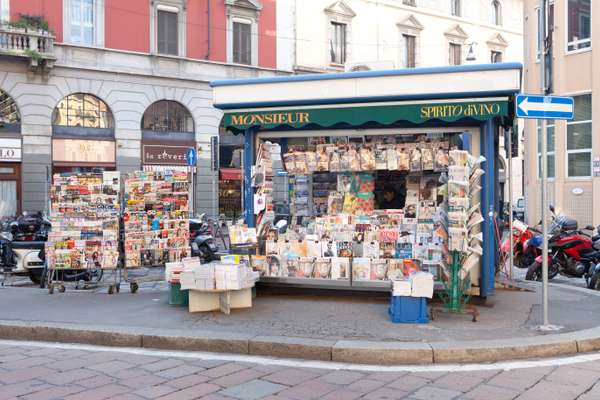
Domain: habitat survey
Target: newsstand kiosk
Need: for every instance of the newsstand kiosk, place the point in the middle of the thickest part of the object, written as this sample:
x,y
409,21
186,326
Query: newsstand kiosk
x,y
376,173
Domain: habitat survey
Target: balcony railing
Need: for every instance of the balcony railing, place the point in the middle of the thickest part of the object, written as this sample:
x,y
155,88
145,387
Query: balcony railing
x,y
37,46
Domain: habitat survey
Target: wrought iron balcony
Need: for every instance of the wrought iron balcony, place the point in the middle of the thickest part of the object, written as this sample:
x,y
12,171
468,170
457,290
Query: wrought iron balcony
x,y
35,45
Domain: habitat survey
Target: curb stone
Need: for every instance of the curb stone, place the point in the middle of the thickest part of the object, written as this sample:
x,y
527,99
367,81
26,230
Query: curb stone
x,y
349,351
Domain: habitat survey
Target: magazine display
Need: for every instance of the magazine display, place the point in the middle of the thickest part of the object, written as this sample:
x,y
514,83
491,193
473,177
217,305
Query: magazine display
x,y
156,218
332,186
464,215
85,221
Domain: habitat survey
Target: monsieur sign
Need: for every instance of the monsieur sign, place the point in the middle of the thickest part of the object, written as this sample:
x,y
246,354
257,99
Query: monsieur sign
x,y
416,113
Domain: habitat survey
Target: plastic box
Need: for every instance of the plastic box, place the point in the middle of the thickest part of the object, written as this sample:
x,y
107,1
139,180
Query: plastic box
x,y
409,310
178,297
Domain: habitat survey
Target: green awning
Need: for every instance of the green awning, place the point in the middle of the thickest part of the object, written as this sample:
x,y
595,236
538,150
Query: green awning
x,y
416,113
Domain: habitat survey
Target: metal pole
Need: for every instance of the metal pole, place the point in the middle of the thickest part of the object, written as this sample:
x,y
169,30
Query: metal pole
x,y
508,132
544,165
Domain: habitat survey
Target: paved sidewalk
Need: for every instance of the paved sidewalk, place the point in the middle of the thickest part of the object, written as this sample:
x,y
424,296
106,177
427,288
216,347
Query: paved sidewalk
x,y
31,373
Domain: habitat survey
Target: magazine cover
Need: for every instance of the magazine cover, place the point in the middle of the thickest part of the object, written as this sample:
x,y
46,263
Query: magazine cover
x,y
259,263
335,163
306,267
441,159
427,157
311,161
370,249
410,266
340,268
428,188
387,249
403,158
361,269
415,159
392,158
344,249
395,269
329,248
322,158
367,158
379,269
344,182
404,250
380,157
274,267
335,203
459,157
322,269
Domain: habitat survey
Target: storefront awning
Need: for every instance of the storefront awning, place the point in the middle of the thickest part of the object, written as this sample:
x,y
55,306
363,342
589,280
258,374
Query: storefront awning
x,y
359,114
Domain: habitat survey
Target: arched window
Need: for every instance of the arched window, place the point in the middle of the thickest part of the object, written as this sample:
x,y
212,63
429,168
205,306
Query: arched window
x,y
167,116
83,110
9,113
496,12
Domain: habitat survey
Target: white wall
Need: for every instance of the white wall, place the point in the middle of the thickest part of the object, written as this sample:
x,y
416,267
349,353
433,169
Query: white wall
x,y
286,30
375,36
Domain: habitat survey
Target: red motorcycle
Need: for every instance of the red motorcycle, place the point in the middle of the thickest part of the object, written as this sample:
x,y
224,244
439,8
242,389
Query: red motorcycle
x,y
523,254
570,251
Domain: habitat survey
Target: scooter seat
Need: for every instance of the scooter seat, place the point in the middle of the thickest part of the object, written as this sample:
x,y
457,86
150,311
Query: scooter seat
x,y
24,244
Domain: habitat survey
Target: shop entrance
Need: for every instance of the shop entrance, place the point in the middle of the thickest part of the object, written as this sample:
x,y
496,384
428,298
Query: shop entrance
x,y
10,189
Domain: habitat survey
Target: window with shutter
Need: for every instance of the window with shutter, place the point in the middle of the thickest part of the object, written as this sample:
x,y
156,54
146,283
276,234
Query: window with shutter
x,y
167,33
409,51
242,43
455,54
338,43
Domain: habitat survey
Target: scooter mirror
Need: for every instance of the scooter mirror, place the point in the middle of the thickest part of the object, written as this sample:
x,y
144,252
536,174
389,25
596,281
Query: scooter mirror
x,y
552,208
589,228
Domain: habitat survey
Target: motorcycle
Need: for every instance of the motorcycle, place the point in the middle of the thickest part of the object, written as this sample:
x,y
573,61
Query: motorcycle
x,y
21,242
523,253
570,251
202,241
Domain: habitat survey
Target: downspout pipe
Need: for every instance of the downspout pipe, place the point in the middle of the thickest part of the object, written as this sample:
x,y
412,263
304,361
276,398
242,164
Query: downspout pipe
x,y
208,28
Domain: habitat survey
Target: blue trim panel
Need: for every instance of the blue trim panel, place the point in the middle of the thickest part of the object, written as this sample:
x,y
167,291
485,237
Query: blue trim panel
x,y
548,115
350,100
488,207
369,74
248,190
466,141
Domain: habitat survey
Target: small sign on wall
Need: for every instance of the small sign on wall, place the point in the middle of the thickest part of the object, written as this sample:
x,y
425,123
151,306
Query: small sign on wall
x,y
596,166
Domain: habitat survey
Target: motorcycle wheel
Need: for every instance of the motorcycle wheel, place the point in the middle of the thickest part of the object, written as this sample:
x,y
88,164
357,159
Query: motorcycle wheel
x,y
594,281
36,274
534,272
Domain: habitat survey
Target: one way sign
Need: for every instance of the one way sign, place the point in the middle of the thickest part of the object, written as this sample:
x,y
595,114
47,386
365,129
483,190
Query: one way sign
x,y
544,107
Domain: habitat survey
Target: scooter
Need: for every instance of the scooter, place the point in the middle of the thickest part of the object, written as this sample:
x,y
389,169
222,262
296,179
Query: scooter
x,y
202,241
524,254
570,251
21,242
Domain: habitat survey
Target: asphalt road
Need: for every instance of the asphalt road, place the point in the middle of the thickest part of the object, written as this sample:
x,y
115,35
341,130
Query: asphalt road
x,y
52,371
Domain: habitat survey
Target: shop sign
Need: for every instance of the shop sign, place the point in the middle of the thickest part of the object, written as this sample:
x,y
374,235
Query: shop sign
x,y
384,114
10,150
155,154
83,151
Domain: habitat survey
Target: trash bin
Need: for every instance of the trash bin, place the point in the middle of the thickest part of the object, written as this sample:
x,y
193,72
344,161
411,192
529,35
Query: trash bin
x,y
408,310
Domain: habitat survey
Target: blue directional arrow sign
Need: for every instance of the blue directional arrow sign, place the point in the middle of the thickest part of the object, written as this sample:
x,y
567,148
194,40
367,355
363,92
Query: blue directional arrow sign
x,y
190,157
544,107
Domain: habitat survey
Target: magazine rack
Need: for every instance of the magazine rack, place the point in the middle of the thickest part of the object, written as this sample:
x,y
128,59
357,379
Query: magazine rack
x,y
83,243
464,244
156,223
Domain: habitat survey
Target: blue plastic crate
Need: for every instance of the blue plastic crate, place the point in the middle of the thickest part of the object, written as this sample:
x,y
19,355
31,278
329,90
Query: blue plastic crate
x,y
409,310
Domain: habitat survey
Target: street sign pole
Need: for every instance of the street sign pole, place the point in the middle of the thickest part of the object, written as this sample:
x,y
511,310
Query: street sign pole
x,y
544,166
508,135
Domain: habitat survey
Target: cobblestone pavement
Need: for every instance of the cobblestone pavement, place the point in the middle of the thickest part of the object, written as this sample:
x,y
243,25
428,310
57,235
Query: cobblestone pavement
x,y
35,371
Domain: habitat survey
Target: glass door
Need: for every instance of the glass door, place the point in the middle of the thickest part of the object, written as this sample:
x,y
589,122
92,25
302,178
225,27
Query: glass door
x,y
10,183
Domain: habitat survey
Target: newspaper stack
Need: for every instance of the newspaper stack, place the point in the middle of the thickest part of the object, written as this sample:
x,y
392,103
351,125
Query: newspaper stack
x,y
419,284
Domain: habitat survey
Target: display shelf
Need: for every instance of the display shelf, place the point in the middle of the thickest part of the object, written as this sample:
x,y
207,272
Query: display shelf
x,y
373,284
306,282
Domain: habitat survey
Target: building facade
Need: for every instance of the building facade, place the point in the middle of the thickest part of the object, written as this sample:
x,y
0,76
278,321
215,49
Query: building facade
x,y
573,149
354,35
122,85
